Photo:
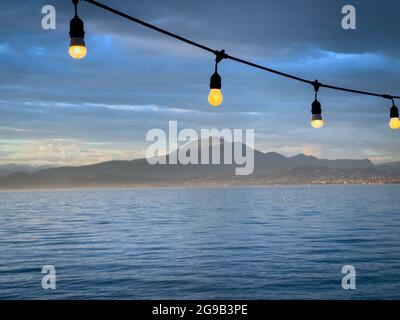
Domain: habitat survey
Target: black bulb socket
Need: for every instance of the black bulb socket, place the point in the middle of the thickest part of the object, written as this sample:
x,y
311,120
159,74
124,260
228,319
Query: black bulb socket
x,y
215,81
76,28
316,108
394,112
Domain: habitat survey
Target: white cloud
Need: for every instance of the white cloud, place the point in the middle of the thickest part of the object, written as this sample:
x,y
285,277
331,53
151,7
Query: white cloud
x,y
60,152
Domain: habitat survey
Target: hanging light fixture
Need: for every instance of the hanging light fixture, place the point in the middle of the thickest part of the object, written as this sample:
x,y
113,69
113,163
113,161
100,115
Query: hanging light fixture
x,y
316,110
77,48
394,117
215,98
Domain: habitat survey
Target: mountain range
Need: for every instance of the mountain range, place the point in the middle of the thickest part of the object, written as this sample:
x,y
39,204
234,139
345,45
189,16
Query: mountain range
x,y
9,168
269,168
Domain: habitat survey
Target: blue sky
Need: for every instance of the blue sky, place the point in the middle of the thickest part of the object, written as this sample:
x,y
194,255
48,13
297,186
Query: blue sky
x,y
55,110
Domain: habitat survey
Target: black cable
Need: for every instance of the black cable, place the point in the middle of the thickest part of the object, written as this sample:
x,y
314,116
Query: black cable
x,y
268,69
148,25
220,55
75,2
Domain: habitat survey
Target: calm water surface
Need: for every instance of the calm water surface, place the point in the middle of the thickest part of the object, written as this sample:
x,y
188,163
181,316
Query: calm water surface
x,y
201,243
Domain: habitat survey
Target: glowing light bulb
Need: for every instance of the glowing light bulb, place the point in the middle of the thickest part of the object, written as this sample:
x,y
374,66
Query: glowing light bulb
x,y
316,119
394,123
317,124
77,47
215,97
77,51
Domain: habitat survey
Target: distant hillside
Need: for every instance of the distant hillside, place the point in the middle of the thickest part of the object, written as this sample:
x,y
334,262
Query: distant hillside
x,y
7,169
270,168
392,168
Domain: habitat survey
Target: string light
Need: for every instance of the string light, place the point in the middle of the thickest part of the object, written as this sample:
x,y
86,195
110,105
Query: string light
x,y
77,47
394,117
316,110
215,97
78,51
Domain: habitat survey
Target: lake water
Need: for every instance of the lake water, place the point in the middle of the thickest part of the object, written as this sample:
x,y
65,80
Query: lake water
x,y
201,243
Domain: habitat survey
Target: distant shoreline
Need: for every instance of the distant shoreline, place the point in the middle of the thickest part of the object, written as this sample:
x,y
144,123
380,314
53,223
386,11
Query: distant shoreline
x,y
270,169
185,186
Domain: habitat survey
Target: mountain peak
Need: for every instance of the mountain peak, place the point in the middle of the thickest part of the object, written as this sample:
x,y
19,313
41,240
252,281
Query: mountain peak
x,y
303,156
275,155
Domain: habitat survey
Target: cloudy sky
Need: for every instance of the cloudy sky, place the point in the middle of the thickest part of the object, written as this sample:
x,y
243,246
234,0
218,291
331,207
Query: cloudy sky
x,y
56,110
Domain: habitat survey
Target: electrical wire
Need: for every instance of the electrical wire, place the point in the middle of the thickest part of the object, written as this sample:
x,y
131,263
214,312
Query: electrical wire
x,y
220,55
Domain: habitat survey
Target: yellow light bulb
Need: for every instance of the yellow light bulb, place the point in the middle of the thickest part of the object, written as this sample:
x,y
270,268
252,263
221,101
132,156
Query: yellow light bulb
x,y
77,51
394,123
317,124
215,97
